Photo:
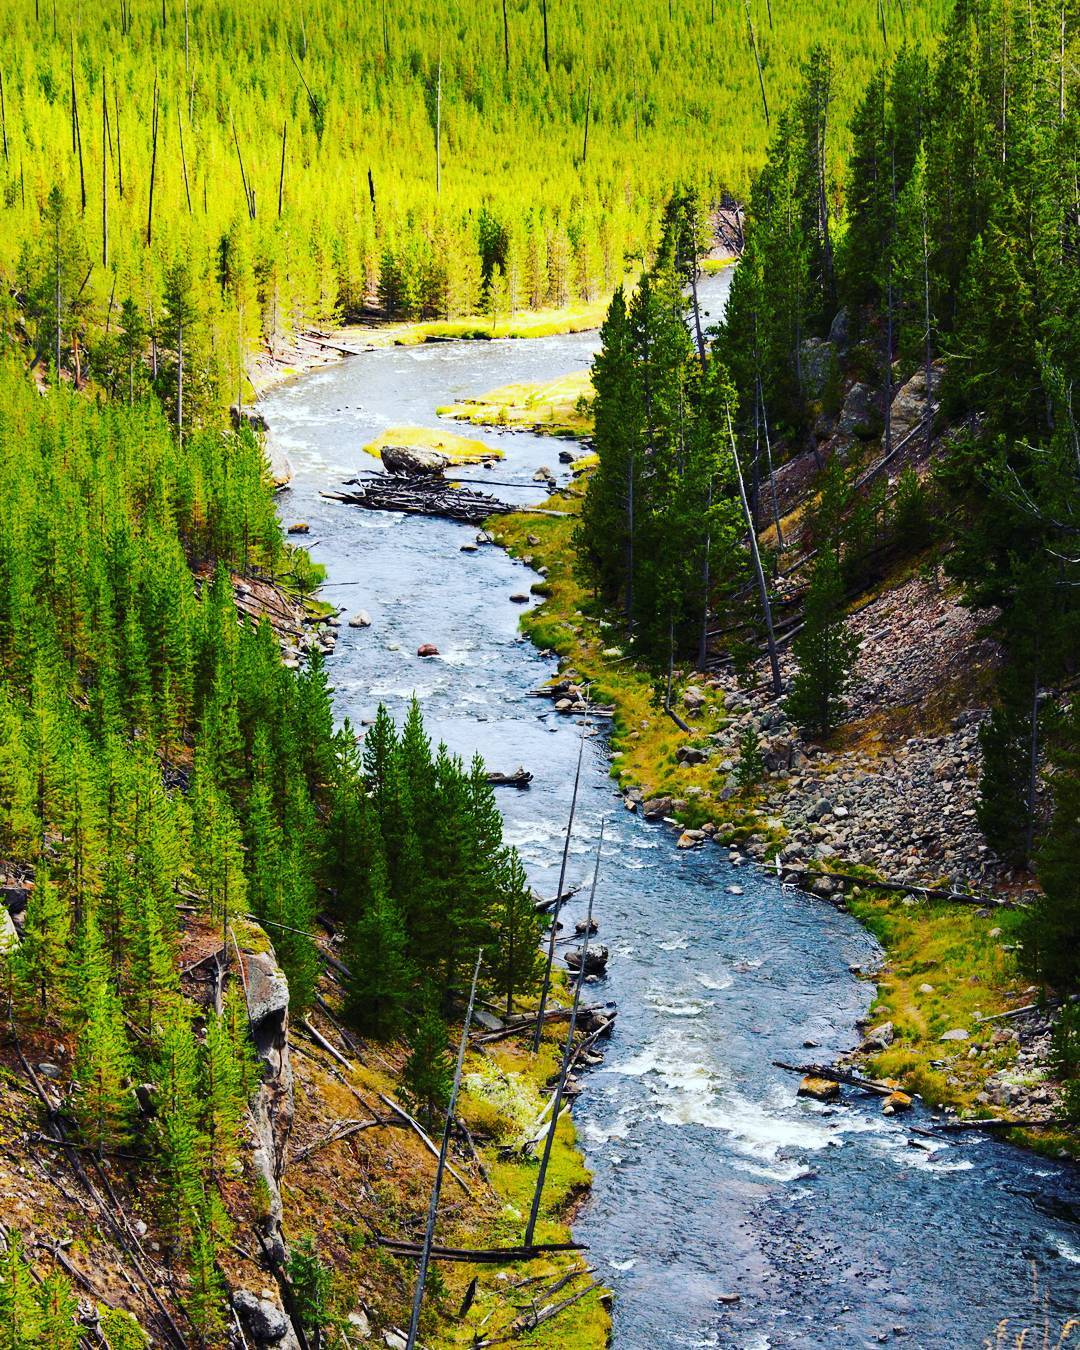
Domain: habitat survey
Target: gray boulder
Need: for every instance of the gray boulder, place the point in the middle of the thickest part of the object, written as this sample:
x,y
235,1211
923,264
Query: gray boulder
x,y
413,460
859,417
818,359
262,1320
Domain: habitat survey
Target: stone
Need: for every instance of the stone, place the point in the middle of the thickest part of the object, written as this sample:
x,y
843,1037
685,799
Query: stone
x,y
820,1089
896,1101
818,360
301,527
656,808
859,417
470,548
956,1034
427,649
267,989
543,475
359,1325
691,754
822,807
729,1298
823,887
48,1070
926,988
394,1340
690,838
9,935
262,1320
413,460
909,404
520,597
838,329
880,1038
361,619
693,699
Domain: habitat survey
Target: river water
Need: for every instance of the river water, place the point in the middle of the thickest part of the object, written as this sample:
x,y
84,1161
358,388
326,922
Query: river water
x,y
711,1178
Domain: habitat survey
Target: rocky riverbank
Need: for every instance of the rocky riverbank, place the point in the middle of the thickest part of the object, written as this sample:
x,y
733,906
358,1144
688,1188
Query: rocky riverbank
x,y
892,798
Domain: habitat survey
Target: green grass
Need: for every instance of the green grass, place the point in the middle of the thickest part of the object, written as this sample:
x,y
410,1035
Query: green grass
x,y
580,317
458,449
554,408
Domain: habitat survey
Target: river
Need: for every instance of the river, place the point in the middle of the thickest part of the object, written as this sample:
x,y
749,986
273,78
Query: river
x,y
835,1226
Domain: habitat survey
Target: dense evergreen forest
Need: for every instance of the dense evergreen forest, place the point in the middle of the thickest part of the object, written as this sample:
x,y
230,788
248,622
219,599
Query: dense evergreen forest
x,y
954,259
233,173
156,752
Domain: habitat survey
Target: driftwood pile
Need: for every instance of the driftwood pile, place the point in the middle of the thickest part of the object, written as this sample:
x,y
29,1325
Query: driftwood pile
x,y
422,496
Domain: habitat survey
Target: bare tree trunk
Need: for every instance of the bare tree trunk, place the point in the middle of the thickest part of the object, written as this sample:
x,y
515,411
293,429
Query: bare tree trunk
x,y
928,354
104,174
757,61
281,176
547,58
438,129
1033,765
759,571
183,159
630,542
119,148
556,1106
772,472
76,130
506,38
444,1149
180,377
588,113
3,115
703,640
153,171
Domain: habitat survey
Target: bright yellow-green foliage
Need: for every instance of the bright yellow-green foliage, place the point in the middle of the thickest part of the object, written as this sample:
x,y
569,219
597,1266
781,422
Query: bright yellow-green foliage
x,y
580,317
664,91
555,407
458,449
970,973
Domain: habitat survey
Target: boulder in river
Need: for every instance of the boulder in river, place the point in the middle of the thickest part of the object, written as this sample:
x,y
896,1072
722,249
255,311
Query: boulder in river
x,y
596,959
413,460
896,1101
427,649
301,527
656,808
820,1089
361,619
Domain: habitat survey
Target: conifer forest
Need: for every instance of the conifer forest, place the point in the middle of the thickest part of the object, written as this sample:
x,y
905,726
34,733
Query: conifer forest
x,y
321,1024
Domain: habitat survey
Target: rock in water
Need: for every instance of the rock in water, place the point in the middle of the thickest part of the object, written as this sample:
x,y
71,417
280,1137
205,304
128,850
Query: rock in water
x,y
361,619
413,460
596,960
301,527
427,649
820,1089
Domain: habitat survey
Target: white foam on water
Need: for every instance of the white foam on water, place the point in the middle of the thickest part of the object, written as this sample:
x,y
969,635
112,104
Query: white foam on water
x,y
1067,1250
708,982
786,1172
676,944
381,691
685,1090
623,1265
674,1008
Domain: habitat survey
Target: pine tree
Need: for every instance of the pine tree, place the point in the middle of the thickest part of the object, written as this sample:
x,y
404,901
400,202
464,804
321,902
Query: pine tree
x,y
428,1072
222,1095
20,1314
515,960
103,1068
178,1104
825,650
41,963
59,1310
376,955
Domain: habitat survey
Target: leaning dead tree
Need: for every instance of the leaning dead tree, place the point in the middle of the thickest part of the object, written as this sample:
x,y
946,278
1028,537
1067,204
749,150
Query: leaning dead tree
x,y
444,1149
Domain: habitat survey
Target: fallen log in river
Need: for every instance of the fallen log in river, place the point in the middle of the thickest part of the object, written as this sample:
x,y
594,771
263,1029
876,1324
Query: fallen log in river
x,y
428,496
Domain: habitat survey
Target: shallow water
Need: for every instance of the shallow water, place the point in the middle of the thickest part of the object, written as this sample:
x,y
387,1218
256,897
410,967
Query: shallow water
x,y
710,1176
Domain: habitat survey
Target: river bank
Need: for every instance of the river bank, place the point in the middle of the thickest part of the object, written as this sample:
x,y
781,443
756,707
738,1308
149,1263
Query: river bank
x,y
871,805
710,1178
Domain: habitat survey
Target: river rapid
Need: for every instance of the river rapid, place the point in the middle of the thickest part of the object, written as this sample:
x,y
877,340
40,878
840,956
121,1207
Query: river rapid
x,y
835,1226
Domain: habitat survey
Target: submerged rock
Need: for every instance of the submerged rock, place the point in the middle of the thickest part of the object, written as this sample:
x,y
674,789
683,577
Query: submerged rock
x,y
427,649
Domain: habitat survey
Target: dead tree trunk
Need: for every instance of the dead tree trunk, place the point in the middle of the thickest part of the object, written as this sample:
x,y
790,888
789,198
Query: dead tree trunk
x,y
444,1149
153,171
759,571
757,60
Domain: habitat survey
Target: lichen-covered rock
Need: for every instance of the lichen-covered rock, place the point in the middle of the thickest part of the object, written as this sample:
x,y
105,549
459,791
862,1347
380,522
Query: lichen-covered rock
x,y
262,1320
820,1089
